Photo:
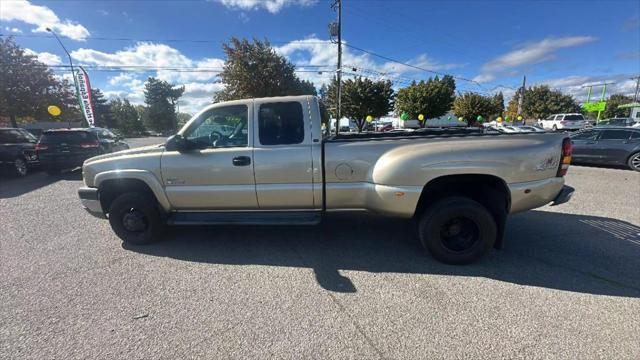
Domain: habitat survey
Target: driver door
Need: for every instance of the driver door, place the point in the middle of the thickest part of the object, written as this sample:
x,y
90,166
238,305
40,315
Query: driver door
x,y
218,174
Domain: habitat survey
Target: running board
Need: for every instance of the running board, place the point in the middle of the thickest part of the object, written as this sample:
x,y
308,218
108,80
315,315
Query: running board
x,y
245,218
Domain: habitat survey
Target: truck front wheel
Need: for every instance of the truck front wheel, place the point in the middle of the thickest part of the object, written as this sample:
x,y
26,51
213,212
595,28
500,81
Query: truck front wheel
x,y
135,218
457,230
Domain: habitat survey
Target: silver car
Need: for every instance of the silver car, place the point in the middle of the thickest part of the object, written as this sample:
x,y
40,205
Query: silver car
x,y
608,145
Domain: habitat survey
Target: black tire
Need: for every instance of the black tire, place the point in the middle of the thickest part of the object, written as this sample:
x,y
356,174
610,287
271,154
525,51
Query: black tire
x,y
476,230
135,218
20,168
554,128
634,161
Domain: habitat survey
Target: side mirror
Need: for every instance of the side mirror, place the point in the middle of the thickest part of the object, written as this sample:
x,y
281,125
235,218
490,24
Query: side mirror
x,y
178,143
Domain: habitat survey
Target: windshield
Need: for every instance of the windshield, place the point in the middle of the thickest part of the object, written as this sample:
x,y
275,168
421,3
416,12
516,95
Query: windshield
x,y
15,136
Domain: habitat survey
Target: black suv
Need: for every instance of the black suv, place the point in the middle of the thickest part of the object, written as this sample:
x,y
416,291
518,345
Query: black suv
x,y
68,148
17,151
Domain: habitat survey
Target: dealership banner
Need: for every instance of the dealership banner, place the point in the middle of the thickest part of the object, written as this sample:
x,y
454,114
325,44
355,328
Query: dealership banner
x,y
83,88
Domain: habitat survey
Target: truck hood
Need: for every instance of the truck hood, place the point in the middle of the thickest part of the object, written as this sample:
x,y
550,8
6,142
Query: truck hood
x,y
158,148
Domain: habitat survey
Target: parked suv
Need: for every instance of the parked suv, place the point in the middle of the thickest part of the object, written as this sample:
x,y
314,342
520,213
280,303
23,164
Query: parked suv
x,y
68,148
17,151
556,122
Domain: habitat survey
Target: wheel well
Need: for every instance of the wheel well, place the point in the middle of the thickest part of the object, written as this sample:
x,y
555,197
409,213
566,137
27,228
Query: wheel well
x,y
488,190
111,189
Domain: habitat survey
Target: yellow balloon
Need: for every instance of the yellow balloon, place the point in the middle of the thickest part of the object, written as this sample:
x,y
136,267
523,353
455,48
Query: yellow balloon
x,y
54,110
499,119
460,118
369,118
519,118
420,117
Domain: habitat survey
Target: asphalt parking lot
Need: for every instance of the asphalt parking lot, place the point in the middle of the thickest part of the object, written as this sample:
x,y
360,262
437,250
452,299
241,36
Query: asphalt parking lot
x,y
565,285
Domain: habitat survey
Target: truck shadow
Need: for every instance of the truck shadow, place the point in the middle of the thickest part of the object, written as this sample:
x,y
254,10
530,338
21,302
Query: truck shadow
x,y
578,253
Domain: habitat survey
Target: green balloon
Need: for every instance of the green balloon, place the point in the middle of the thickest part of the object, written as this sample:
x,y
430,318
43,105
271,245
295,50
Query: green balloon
x,y
480,119
506,118
449,118
404,116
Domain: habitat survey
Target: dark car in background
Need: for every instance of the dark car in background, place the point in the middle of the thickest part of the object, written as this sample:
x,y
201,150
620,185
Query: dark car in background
x,y
607,145
109,142
68,148
17,151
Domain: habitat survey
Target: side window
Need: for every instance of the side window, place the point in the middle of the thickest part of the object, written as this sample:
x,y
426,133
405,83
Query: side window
x,y
615,135
585,135
220,127
559,117
281,123
551,117
635,134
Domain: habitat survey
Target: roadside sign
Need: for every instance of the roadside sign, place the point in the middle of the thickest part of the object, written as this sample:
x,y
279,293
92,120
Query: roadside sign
x,y
595,106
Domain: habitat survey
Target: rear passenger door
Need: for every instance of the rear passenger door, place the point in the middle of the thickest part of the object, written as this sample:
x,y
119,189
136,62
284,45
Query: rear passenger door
x,y
614,146
283,155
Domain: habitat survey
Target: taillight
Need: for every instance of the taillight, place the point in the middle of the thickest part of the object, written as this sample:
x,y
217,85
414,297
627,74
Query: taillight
x,y
41,146
565,157
89,145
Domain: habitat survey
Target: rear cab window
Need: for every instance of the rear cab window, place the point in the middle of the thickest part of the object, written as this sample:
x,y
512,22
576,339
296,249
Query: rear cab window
x,y
68,137
576,117
281,123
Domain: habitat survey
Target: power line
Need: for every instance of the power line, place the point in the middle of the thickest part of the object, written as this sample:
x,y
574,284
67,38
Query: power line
x,y
204,41
412,66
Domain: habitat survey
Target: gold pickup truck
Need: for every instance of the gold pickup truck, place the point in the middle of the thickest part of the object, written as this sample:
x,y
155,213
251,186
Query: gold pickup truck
x,y
266,161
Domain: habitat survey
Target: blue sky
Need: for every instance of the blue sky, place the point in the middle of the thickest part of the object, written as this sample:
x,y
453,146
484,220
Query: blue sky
x,y
565,44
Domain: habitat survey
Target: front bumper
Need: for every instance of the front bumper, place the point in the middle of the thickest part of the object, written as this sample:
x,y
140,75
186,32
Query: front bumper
x,y
90,199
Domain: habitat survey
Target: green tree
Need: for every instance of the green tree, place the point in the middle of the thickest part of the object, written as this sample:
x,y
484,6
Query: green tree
x,y
125,117
161,98
471,105
183,118
102,110
432,98
540,102
28,87
254,69
498,104
362,97
612,111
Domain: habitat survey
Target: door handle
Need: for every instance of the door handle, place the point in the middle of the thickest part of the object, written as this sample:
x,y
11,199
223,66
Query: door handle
x,y
241,161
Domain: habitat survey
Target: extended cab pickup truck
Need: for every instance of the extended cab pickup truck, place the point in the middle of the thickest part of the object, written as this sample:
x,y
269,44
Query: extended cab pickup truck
x,y
265,161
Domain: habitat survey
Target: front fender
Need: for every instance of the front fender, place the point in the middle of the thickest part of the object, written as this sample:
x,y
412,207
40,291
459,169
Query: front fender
x,y
145,176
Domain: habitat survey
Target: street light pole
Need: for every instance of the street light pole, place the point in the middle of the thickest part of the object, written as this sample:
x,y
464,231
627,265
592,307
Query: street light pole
x,y
73,73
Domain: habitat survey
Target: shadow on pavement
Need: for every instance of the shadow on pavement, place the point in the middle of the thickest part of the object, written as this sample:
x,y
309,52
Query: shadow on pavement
x,y
584,254
12,186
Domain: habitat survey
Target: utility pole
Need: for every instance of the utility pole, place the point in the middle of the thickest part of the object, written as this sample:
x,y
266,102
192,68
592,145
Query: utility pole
x,y
635,96
336,30
73,73
521,97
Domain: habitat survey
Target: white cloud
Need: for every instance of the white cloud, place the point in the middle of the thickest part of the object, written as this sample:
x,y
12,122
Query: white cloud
x,y
272,6
45,57
528,54
577,85
42,17
14,30
169,63
311,53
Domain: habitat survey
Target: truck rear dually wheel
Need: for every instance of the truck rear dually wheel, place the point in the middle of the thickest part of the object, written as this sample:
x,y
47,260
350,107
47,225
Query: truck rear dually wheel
x,y
135,218
457,230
